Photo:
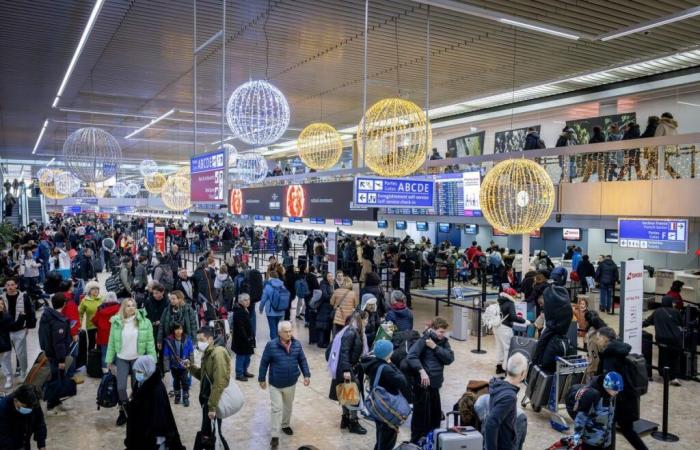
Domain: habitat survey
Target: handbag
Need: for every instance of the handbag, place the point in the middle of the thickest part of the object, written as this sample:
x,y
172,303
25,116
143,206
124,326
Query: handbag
x,y
348,393
382,406
231,401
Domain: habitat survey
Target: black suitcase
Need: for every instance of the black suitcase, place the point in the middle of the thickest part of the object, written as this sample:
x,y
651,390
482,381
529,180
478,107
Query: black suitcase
x,y
94,363
647,346
82,357
302,261
524,345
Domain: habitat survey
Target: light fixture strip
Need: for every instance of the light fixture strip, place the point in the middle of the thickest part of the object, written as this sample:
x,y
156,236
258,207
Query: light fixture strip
x,y
41,134
79,49
50,162
528,26
150,124
655,23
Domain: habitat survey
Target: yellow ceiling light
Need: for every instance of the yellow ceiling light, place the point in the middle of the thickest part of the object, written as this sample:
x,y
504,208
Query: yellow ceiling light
x,y
395,137
48,186
176,193
320,146
517,196
154,183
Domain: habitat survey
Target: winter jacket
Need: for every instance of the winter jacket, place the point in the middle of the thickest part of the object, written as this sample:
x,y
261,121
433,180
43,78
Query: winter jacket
x,y
666,127
499,427
145,344
585,269
174,357
420,356
649,131
184,315
373,323
5,324
553,341
508,312
204,282
284,366
88,308
351,349
86,270
535,293
594,415
20,320
576,260
101,320
154,309
214,374
16,430
126,278
400,316
243,341
140,277
392,379
612,358
532,141
607,273
187,287
271,286
54,335
667,323
344,302
70,312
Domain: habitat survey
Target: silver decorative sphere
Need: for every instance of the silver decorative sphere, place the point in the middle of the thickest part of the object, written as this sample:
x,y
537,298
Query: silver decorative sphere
x,y
119,189
92,154
66,183
251,168
148,167
132,189
257,113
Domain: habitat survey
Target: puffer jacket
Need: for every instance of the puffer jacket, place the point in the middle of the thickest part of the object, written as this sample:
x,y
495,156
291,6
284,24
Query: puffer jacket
x,y
101,320
666,127
499,427
508,312
344,301
607,273
667,322
400,316
284,367
558,315
145,344
184,315
420,356
351,350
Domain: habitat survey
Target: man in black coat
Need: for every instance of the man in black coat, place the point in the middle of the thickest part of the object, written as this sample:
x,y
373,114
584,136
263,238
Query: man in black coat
x,y
21,418
607,275
667,325
55,341
553,342
499,427
584,270
174,259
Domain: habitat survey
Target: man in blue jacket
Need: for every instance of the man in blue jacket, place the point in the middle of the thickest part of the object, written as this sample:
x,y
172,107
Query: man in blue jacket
x,y
285,359
499,428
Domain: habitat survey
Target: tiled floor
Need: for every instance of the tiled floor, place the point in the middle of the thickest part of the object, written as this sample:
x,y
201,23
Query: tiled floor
x,y
316,418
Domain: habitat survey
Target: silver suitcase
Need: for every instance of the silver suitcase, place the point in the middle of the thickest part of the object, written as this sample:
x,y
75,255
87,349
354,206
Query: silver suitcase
x,y
457,437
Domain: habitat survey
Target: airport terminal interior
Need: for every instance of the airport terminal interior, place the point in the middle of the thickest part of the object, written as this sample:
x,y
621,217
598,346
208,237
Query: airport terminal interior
x,y
349,224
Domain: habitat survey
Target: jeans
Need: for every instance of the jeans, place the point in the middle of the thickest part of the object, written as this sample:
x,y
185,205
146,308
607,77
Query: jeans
x,y
272,322
123,372
19,343
281,401
181,381
52,402
386,437
242,364
606,297
253,318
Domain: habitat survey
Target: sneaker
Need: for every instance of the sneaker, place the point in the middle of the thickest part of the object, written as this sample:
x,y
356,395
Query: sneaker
x,y
186,402
274,442
676,382
55,412
8,383
288,431
249,375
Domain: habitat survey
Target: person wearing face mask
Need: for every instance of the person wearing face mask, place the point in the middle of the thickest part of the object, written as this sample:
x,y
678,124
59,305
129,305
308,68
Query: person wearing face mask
x,y
150,423
21,418
499,427
214,374
130,336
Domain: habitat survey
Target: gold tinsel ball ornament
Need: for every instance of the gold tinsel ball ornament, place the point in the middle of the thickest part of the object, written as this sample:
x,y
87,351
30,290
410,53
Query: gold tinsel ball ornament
x,y
176,193
517,196
154,183
395,136
320,146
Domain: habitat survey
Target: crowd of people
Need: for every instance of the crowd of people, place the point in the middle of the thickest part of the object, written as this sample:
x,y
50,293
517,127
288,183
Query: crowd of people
x,y
154,312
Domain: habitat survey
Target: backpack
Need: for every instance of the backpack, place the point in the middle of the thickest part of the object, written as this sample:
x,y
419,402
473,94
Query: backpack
x,y
301,287
166,277
402,342
492,317
634,374
107,395
227,289
573,397
255,285
40,372
280,298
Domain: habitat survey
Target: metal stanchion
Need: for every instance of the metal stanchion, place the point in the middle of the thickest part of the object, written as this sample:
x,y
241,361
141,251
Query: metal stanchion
x,y
664,435
478,349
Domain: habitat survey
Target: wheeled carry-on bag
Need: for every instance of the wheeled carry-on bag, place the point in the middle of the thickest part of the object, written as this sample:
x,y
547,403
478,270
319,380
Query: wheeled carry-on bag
x,y
539,385
457,437
524,345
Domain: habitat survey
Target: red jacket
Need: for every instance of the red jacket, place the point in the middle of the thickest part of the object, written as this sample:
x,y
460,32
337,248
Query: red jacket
x,y
677,299
101,321
471,251
70,312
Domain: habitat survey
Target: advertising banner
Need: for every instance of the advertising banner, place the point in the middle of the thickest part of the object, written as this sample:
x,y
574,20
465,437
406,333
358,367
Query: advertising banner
x,y
160,239
471,183
151,234
631,303
393,192
317,200
208,177
331,252
661,235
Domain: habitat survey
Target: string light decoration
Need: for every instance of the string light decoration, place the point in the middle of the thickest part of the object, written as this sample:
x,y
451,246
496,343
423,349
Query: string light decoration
x,y
47,185
257,113
66,183
395,136
92,154
232,154
45,175
517,196
251,168
154,183
319,146
132,189
119,189
98,189
148,167
183,171
176,193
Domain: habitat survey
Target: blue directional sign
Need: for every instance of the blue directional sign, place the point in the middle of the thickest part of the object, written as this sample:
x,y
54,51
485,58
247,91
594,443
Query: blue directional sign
x,y
663,235
393,192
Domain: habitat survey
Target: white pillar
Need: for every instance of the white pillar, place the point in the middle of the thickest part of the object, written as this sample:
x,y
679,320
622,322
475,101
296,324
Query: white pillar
x,y
526,253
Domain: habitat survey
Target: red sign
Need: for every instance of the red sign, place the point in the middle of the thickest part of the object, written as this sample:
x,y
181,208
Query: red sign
x,y
160,239
236,202
295,201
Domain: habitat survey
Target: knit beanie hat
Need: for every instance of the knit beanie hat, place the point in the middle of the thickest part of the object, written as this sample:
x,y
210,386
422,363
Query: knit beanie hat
x,y
383,348
90,285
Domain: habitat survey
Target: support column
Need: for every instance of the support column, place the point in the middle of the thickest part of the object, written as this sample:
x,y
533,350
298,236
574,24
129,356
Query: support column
x,y
526,253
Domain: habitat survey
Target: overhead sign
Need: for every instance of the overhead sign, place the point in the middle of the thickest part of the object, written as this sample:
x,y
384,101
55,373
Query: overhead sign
x,y
393,192
571,234
611,236
471,187
661,235
208,177
631,303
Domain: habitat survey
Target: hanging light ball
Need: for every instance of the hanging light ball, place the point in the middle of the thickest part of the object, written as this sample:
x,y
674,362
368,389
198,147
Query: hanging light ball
x,y
517,196
119,189
154,183
98,189
320,146
48,187
92,154
133,189
66,183
257,113
148,167
176,193
395,136
45,175
251,168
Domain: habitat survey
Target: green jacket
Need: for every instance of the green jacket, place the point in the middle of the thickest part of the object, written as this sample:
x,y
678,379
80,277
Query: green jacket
x,y
145,344
185,317
89,306
216,367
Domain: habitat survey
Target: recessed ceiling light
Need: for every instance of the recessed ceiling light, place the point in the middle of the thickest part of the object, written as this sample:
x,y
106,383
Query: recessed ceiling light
x,y
541,29
675,17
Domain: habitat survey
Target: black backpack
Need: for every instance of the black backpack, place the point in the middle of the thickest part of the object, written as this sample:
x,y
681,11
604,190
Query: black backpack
x,y
107,395
255,284
634,374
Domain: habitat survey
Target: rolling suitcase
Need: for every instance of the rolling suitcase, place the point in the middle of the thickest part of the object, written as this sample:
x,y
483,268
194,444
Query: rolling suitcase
x,y
302,261
647,346
94,363
81,359
524,345
457,437
539,385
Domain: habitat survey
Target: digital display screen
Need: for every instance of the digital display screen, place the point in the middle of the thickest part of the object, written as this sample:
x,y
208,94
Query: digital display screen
x,y
571,234
444,227
422,226
382,224
400,224
611,236
662,235
471,229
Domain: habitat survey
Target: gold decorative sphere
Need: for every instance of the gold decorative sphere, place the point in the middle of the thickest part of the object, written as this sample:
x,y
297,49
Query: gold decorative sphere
x,y
176,193
183,171
397,137
154,183
47,184
99,189
517,196
320,146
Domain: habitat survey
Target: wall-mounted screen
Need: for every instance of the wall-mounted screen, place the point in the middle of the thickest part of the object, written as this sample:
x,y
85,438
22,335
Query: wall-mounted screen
x,y
444,227
471,229
382,224
469,145
571,234
422,226
400,224
661,235
611,236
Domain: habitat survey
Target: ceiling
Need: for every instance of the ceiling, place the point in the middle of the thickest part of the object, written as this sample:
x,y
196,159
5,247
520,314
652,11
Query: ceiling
x,y
137,63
